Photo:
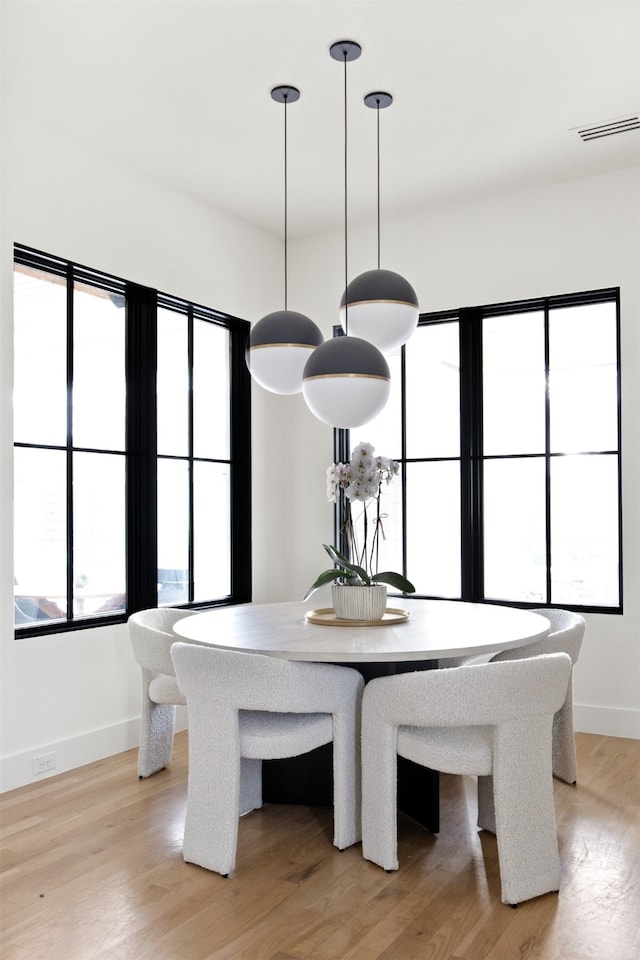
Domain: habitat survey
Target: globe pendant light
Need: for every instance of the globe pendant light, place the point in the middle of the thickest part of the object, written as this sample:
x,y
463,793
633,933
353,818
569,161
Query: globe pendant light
x,y
346,381
281,343
382,305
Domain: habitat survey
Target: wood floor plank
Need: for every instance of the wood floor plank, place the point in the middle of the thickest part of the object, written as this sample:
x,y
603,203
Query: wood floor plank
x,y
92,869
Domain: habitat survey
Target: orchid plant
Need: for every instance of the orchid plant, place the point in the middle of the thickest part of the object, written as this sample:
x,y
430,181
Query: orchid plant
x,y
360,481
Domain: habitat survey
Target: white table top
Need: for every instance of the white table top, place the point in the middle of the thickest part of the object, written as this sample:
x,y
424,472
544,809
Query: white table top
x,y
434,630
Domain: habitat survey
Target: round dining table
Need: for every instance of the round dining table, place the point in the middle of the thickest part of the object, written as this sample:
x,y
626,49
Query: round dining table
x,y
413,635
411,630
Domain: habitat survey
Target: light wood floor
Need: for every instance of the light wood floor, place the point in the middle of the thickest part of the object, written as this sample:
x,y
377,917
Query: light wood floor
x,y
92,869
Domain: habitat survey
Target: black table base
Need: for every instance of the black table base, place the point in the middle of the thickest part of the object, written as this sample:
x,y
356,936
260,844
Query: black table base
x,y
308,779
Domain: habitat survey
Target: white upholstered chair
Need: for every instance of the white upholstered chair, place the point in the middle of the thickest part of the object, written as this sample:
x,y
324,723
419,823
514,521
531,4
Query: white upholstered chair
x,y
492,720
567,631
151,634
245,708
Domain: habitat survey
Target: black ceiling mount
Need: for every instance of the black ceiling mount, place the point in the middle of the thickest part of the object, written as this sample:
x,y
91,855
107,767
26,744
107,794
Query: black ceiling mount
x,y
285,94
379,99
345,50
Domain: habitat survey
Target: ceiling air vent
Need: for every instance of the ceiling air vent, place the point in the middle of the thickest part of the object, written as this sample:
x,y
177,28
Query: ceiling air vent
x,y
594,131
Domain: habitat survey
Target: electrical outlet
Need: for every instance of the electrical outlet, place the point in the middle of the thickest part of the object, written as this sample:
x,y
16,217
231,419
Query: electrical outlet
x,y
44,763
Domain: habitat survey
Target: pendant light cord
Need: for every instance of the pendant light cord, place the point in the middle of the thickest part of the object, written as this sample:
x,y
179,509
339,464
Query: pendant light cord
x,y
346,210
378,149
285,206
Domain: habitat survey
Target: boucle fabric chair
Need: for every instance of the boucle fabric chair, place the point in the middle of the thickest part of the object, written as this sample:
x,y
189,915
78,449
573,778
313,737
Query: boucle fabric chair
x,y
444,663
492,720
245,708
567,631
151,634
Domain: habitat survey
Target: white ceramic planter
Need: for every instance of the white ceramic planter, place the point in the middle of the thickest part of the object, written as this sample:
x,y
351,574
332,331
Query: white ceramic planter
x,y
359,602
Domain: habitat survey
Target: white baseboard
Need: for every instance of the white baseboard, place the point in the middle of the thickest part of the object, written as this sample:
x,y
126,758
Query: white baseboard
x,y
17,770
607,721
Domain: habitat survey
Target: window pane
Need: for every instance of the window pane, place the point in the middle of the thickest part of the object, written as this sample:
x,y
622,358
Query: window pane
x,y
99,579
514,530
433,391
583,385
584,530
212,534
173,532
40,572
513,384
384,430
40,348
98,369
210,390
433,529
173,383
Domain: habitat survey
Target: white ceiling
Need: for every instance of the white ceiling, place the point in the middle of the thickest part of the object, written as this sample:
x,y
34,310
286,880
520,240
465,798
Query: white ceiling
x,y
486,96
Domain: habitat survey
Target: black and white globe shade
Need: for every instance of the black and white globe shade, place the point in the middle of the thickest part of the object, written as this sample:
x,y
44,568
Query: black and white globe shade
x,y
346,382
382,307
279,346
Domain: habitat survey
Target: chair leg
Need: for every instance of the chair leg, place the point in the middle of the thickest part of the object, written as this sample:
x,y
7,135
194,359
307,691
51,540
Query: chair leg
x,y
379,794
213,790
565,766
250,785
347,805
156,736
486,808
524,810
211,822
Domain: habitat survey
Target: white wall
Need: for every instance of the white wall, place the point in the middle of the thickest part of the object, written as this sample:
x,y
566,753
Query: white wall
x,y
78,693
575,236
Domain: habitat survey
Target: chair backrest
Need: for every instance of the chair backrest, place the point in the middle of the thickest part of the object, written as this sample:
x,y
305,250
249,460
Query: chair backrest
x,y
483,694
151,633
567,631
253,681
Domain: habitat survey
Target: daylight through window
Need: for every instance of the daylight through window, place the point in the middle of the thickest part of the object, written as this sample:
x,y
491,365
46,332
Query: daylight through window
x,y
506,422
131,417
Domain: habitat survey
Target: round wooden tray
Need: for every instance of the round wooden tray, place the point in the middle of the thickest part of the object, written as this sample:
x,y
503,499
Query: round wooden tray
x,y
326,617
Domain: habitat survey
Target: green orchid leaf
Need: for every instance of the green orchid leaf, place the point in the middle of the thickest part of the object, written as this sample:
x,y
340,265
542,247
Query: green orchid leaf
x,y
354,571
335,555
395,580
327,576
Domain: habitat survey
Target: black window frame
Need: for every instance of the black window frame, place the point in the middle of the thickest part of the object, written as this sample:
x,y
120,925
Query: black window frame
x,y
141,305
472,455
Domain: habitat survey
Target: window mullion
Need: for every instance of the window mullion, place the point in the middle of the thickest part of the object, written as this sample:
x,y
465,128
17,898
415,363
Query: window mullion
x,y
191,464
69,445
403,455
547,452
619,452
141,407
240,412
472,550
341,454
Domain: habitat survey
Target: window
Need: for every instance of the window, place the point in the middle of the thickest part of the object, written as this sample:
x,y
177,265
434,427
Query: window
x,y
506,422
132,449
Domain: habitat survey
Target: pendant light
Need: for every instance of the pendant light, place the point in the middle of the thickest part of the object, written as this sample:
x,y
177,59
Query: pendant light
x,y
281,343
382,305
346,380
